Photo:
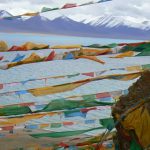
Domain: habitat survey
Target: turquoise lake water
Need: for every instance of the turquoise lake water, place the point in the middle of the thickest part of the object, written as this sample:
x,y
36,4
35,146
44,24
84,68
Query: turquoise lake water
x,y
17,39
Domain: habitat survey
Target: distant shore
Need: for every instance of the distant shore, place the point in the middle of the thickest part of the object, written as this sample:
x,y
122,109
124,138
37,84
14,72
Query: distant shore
x,y
68,35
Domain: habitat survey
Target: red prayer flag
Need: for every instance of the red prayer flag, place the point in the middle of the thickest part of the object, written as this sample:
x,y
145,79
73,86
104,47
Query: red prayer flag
x,y
85,110
1,57
17,48
50,57
7,128
69,6
1,86
63,145
91,74
27,104
102,95
67,123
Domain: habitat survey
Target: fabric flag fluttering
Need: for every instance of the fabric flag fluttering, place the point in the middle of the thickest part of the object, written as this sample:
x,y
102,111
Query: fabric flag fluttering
x,y
30,14
73,85
125,54
75,102
69,5
82,53
46,9
18,58
87,74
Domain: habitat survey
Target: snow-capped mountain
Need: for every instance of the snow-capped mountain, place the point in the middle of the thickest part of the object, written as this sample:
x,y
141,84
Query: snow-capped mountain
x,y
80,25
113,21
4,13
39,24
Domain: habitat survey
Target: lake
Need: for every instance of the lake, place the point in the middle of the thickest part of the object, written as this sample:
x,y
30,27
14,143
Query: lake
x,y
20,38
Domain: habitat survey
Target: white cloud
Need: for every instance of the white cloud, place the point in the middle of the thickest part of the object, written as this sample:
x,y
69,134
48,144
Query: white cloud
x,y
138,9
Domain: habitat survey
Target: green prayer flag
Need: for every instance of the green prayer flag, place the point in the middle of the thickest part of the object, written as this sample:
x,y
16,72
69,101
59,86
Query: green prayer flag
x,y
62,134
45,9
74,75
89,97
14,110
107,123
56,125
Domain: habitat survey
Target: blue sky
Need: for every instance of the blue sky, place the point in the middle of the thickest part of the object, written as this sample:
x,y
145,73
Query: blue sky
x,y
138,9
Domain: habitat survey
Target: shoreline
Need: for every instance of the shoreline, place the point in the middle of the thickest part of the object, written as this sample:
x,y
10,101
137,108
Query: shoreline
x,y
65,35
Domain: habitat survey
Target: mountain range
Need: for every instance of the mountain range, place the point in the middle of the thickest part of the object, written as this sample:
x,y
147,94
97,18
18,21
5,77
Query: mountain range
x,y
103,26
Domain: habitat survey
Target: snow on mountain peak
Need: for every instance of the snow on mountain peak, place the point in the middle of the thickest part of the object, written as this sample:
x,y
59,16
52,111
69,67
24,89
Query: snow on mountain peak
x,y
62,18
44,18
65,18
80,17
107,20
4,13
111,21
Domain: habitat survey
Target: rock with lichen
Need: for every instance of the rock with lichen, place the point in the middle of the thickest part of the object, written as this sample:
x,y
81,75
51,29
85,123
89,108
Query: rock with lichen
x,y
134,110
